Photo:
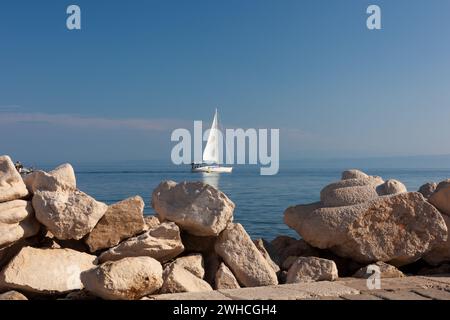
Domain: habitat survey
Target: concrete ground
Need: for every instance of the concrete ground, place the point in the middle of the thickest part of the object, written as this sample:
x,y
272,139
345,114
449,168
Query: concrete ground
x,y
407,288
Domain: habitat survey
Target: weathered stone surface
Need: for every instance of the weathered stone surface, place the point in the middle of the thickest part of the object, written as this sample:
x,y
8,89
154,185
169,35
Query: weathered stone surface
x,y
12,295
193,263
264,247
46,271
16,222
225,279
60,179
441,197
354,174
441,252
11,183
68,215
125,279
212,263
427,189
151,222
306,269
121,221
161,243
398,229
393,186
178,279
351,191
193,296
244,259
198,208
386,271
286,246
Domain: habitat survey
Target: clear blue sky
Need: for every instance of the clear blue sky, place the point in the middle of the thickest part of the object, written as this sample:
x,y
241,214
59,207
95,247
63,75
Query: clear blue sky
x,y
138,69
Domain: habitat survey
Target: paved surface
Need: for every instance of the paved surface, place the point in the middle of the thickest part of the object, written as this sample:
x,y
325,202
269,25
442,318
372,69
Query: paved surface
x,y
408,288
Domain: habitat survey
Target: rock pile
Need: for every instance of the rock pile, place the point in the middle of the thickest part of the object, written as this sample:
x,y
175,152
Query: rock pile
x,y
56,241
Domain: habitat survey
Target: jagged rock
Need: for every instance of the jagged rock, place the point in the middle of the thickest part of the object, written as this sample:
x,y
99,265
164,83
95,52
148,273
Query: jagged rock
x,y
162,243
286,246
427,189
11,183
351,191
196,207
125,279
441,197
193,263
178,279
398,229
12,295
46,271
68,215
441,252
244,259
306,269
16,222
393,186
264,247
225,279
60,179
386,271
121,221
354,174
151,222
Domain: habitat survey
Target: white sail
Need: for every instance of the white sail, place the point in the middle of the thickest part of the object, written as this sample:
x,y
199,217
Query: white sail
x,y
211,152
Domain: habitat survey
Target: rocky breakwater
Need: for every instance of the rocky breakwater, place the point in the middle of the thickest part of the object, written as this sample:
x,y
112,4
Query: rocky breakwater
x,y
58,242
363,220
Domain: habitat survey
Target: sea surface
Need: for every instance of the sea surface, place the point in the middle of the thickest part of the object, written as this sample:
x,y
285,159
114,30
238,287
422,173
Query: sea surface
x,y
260,200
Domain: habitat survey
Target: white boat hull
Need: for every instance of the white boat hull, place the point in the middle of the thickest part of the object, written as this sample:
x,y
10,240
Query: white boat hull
x,y
213,169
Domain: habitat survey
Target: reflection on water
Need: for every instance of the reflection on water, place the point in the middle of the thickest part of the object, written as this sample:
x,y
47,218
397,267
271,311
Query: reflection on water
x,y
211,178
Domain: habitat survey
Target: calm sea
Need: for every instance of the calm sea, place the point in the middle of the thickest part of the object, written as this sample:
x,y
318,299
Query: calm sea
x,y
260,200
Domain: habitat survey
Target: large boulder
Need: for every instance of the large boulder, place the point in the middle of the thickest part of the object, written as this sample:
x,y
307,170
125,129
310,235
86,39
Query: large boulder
x,y
398,229
385,271
12,186
307,269
68,215
441,197
16,222
441,252
351,191
162,243
196,207
126,279
60,179
46,271
121,221
225,279
178,279
239,252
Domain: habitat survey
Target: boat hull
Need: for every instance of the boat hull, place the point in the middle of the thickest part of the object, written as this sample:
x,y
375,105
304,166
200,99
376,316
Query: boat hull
x,y
213,169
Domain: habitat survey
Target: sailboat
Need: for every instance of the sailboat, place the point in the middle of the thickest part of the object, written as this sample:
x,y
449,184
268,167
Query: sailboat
x,y
211,154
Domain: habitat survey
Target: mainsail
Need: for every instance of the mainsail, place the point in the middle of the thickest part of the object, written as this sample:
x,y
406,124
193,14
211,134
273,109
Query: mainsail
x,y
211,152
